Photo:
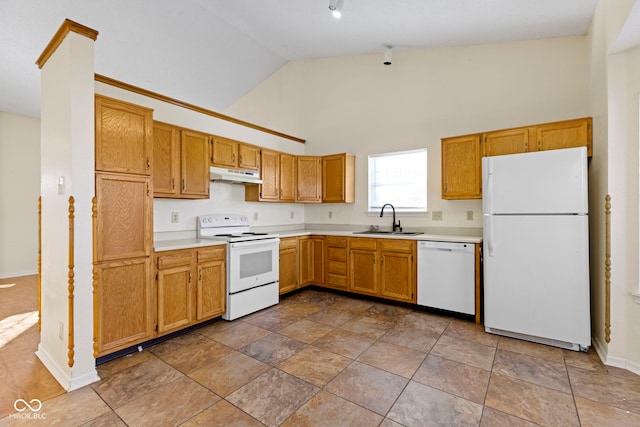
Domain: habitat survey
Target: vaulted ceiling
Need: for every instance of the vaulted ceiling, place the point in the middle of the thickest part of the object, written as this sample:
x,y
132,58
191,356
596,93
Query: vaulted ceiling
x,y
211,52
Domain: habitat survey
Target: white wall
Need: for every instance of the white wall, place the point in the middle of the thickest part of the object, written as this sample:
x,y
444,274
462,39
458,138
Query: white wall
x,y
19,192
358,105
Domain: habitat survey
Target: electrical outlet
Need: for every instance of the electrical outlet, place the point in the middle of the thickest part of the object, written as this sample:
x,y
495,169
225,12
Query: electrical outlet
x,y
61,331
292,214
330,214
436,216
469,215
175,217
255,216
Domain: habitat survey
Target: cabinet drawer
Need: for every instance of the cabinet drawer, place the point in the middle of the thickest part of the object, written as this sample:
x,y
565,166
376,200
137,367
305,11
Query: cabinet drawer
x,y
337,280
288,242
371,244
397,245
337,267
337,242
339,254
211,254
174,260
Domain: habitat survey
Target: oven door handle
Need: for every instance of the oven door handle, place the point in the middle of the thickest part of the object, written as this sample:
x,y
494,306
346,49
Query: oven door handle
x,y
255,243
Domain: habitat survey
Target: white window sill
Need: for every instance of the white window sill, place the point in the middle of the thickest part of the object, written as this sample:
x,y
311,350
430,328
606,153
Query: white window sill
x,y
636,297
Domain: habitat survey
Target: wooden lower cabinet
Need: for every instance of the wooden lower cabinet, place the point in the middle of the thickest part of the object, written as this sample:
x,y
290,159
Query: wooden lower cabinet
x,y
288,264
363,266
398,272
123,304
191,287
335,262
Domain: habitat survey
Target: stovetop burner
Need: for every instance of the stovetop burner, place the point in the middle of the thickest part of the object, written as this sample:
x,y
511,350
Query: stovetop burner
x,y
232,227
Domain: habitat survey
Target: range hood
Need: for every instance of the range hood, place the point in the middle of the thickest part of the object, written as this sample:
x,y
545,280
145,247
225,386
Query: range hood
x,y
233,176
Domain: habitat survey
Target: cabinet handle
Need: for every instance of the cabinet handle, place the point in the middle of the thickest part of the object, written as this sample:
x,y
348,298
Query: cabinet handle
x,y
233,157
240,162
200,275
173,183
183,184
189,276
148,163
526,146
148,189
539,145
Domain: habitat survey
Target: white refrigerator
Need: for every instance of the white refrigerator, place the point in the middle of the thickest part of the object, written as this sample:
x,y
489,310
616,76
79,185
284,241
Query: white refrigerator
x,y
536,247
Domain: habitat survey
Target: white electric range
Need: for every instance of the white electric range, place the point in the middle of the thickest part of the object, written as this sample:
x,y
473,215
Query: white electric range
x,y
252,262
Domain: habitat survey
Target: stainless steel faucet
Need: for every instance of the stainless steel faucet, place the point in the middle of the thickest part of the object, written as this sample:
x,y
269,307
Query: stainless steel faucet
x,y
394,226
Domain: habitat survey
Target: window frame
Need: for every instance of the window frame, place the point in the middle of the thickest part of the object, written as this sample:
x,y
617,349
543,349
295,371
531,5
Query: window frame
x,y
421,211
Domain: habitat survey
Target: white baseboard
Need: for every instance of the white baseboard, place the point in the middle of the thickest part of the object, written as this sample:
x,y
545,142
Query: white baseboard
x,y
616,362
17,274
69,383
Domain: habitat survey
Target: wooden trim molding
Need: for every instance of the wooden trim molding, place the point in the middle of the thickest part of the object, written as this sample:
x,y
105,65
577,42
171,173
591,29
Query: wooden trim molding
x,y
163,98
67,27
94,218
71,280
607,269
40,263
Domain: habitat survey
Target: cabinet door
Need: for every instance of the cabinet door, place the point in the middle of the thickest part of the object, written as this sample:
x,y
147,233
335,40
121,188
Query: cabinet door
x,y
123,308
288,265
123,137
248,157
338,178
211,292
397,276
566,134
270,174
317,270
287,191
309,179
224,152
363,274
124,216
175,298
510,141
305,258
461,167
195,164
166,160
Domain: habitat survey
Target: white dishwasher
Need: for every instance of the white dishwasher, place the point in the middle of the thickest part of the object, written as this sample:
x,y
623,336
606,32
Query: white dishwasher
x,y
446,276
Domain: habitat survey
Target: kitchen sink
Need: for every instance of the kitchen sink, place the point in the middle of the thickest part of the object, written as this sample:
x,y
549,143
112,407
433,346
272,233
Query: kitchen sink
x,y
394,233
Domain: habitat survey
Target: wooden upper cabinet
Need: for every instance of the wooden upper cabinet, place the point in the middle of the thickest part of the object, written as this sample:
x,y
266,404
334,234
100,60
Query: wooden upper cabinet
x,y
195,164
180,162
248,157
565,134
123,137
338,178
510,141
166,160
228,153
461,167
124,216
224,152
287,192
309,179
278,173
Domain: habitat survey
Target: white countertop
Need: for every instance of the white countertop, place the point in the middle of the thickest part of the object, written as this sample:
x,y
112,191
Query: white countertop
x,y
186,243
445,234
440,234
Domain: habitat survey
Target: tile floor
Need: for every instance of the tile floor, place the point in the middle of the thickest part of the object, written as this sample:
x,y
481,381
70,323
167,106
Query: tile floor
x,y
320,359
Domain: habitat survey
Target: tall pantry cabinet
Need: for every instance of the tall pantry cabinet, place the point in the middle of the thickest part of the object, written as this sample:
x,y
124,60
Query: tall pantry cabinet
x,y
123,233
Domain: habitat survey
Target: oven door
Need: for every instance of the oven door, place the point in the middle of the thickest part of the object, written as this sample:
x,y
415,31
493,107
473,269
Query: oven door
x,y
253,263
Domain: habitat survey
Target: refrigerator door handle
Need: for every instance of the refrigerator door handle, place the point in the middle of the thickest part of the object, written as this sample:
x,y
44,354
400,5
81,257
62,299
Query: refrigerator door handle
x,y
487,186
489,234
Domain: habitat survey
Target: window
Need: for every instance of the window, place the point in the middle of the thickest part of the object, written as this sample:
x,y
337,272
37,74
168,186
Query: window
x,y
398,178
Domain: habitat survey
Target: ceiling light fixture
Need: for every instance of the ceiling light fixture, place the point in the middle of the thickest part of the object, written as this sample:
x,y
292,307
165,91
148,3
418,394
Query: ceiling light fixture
x,y
387,55
335,6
